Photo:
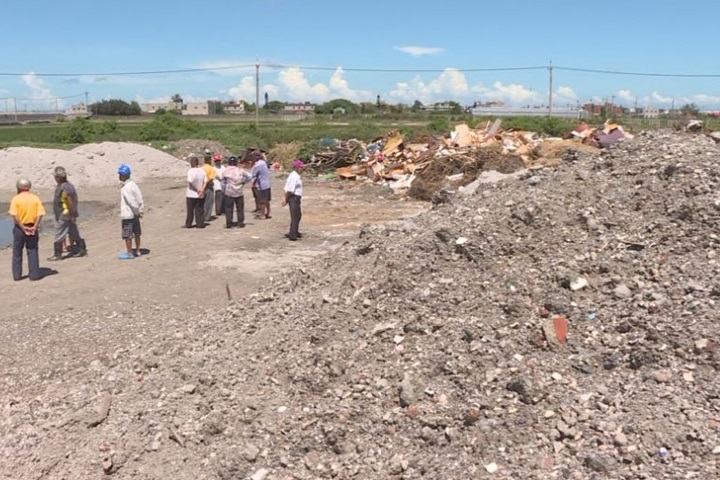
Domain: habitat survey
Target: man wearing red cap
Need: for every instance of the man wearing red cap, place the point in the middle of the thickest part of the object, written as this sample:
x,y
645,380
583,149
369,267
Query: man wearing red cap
x,y
293,196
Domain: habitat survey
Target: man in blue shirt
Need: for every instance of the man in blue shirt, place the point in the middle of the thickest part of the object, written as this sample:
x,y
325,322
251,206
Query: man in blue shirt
x,y
261,175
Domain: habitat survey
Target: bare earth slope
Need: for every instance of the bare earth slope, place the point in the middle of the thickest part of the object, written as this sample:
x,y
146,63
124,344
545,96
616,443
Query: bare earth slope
x,y
426,348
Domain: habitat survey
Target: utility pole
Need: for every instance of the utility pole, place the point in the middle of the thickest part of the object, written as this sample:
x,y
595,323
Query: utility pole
x,y
257,96
550,104
15,108
87,105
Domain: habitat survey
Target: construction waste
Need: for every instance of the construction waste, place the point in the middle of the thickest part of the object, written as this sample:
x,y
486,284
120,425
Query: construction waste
x,y
458,157
561,324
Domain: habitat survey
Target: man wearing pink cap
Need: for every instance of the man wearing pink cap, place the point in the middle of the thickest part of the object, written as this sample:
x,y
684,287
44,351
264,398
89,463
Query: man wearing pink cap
x,y
293,196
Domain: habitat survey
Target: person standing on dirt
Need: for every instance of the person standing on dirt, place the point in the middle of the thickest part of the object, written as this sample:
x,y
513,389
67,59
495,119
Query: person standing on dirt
x,y
65,208
293,196
261,175
26,210
218,183
132,208
249,158
194,195
235,178
208,193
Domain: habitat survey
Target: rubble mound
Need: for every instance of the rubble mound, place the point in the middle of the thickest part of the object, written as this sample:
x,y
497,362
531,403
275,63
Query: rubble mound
x,y
91,165
559,324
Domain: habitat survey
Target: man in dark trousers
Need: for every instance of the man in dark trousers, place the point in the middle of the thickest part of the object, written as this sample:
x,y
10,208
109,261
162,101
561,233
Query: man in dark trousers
x,y
235,178
195,195
293,196
65,208
26,210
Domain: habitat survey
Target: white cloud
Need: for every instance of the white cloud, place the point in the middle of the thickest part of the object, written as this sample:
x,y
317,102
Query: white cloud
x,y
297,88
417,51
625,95
340,88
705,99
38,89
293,86
451,83
513,94
565,93
659,98
245,90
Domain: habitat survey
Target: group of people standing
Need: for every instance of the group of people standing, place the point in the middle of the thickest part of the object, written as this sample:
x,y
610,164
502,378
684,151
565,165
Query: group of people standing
x,y
213,186
27,211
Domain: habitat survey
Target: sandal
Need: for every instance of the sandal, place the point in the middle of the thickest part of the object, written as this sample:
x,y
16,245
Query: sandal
x,y
125,256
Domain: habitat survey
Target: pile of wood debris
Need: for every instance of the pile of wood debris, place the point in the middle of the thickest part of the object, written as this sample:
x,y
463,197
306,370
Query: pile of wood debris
x,y
461,155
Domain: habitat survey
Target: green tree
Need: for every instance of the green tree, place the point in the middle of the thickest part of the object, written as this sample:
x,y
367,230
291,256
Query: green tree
x,y
115,107
274,106
330,107
416,106
455,108
176,98
690,110
216,107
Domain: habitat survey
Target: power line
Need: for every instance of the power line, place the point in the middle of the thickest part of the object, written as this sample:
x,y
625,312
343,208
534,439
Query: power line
x,y
640,74
407,70
368,69
119,74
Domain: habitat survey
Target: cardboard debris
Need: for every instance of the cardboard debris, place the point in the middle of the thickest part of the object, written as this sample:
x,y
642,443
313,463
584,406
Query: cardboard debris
x,y
456,158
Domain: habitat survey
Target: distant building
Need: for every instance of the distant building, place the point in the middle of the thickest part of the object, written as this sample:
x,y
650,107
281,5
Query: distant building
x,y
597,109
234,108
562,112
78,109
299,107
650,112
166,106
437,107
196,108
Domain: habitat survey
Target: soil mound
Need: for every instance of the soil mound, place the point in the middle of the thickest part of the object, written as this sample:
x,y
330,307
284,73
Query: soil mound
x,y
558,324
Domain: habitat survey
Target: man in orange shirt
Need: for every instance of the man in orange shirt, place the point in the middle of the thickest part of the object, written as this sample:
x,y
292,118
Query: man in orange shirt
x,y
26,210
208,194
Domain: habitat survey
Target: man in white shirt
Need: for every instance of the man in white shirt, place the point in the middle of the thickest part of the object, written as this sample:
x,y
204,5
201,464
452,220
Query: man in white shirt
x,y
218,183
293,196
195,194
132,208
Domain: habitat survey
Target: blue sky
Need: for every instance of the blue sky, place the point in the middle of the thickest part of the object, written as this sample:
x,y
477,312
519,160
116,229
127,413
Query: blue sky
x,y
96,38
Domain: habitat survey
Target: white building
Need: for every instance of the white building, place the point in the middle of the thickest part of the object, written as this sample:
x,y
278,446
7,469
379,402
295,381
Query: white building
x,y
77,109
235,108
196,108
155,107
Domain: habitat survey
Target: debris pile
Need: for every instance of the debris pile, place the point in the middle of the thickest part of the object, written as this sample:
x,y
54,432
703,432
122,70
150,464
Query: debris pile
x,y
557,324
610,134
460,155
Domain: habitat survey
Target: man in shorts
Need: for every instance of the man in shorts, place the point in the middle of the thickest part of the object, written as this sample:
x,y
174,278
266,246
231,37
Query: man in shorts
x,y
132,208
65,208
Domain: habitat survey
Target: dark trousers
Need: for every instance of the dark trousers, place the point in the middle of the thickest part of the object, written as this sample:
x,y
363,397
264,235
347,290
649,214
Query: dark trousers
x,y
195,208
295,215
30,244
255,197
208,205
237,204
219,202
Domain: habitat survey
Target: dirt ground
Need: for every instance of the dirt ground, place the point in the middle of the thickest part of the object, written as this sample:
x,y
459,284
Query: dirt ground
x,y
188,269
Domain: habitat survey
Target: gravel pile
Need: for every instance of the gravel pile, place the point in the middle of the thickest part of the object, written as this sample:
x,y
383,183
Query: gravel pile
x,y
556,324
92,165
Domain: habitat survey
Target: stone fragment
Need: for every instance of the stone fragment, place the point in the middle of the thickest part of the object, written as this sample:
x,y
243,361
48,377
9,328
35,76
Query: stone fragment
x,y
622,292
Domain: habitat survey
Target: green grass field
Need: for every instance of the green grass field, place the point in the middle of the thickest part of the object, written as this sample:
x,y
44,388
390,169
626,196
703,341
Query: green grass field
x,y
238,132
